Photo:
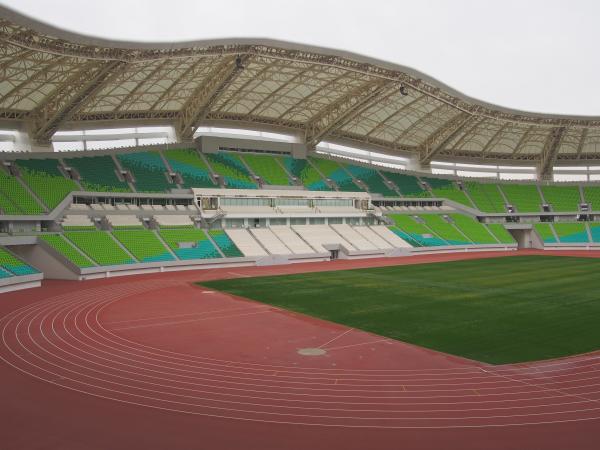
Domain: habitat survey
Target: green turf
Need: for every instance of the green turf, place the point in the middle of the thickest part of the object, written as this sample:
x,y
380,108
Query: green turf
x,y
499,310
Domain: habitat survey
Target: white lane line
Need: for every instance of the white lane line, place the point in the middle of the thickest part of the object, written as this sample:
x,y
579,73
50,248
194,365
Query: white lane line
x,y
362,343
336,338
179,322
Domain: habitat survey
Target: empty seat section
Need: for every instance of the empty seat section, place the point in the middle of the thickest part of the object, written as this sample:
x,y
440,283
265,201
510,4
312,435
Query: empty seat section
x,y
189,243
191,167
100,247
13,265
394,236
545,232
270,241
291,240
415,231
224,243
373,237
97,174
571,233
444,229
124,222
77,222
486,196
501,233
562,198
408,185
148,170
334,171
174,221
144,245
306,173
65,248
372,179
592,196
319,235
473,229
524,197
267,168
356,239
246,242
231,168
44,178
14,198
447,189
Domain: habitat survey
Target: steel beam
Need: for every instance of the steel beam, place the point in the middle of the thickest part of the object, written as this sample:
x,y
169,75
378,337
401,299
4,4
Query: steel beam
x,y
550,151
442,136
206,94
343,110
76,92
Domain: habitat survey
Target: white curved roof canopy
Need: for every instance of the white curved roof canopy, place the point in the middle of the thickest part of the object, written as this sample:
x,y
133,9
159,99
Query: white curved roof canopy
x,y
53,79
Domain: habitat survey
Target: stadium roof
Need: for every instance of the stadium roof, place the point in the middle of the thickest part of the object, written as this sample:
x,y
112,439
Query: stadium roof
x,y
53,79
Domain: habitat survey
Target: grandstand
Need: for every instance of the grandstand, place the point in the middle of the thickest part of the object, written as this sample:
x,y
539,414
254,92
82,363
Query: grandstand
x,y
165,199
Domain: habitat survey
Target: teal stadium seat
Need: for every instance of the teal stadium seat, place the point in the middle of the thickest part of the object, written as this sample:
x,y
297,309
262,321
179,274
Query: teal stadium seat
x,y
148,169
225,244
416,232
372,179
306,173
408,185
13,265
201,248
232,169
191,167
334,171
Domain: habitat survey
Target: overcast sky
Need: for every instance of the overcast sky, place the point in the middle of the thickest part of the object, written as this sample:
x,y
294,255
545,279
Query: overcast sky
x,y
532,55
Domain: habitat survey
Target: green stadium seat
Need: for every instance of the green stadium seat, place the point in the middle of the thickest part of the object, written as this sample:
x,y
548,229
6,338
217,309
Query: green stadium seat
x,y
143,244
562,198
97,173
148,169
473,229
334,171
443,229
45,179
375,183
100,247
408,185
62,246
306,173
14,198
267,167
524,197
416,231
233,171
486,196
447,189
191,167
592,196
501,233
546,233
13,265
571,232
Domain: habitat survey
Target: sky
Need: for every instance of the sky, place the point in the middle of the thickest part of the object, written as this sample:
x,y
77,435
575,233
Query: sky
x,y
531,55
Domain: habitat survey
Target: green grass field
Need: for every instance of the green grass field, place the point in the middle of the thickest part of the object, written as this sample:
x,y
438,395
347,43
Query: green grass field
x,y
499,310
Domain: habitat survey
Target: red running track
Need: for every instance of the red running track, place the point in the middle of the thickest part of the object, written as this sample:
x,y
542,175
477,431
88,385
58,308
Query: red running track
x,y
156,362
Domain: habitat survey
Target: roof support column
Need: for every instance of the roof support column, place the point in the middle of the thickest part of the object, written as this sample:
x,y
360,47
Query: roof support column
x,y
550,152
